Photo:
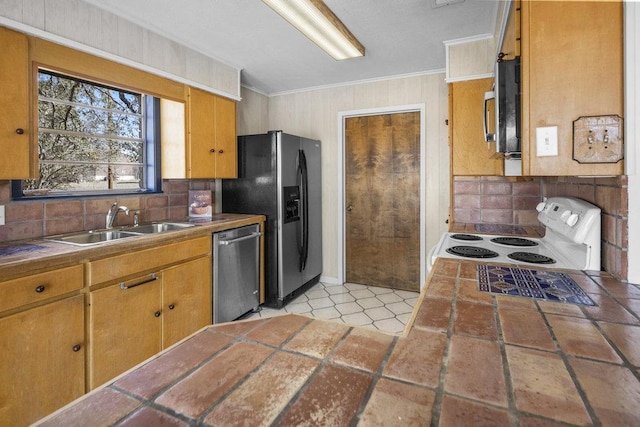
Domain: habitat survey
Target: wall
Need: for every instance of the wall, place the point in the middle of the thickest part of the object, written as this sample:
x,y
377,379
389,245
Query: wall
x,y
314,114
470,58
252,113
85,27
36,218
495,200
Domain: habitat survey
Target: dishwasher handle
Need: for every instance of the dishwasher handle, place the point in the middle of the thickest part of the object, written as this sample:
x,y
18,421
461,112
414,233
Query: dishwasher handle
x,y
239,239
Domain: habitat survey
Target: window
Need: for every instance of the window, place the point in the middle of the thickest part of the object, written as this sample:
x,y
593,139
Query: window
x,y
93,139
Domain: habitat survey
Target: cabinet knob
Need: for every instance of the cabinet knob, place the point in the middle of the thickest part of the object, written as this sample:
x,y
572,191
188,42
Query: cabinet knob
x,y
213,150
171,306
19,131
40,289
157,313
76,348
221,151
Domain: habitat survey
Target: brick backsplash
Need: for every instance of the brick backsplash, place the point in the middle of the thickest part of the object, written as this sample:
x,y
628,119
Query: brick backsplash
x,y
495,200
512,201
27,219
610,195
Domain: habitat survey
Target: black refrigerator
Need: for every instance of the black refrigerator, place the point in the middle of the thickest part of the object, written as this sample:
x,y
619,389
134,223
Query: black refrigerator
x,y
279,176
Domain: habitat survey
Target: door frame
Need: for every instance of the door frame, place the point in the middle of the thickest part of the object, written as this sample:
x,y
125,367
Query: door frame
x,y
342,116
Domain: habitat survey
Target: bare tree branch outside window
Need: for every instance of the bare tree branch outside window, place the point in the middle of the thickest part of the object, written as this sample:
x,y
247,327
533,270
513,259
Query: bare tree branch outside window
x,y
90,137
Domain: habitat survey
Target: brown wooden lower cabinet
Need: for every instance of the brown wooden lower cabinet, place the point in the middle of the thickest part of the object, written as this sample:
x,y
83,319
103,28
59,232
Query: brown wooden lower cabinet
x,y
186,299
125,327
42,360
133,320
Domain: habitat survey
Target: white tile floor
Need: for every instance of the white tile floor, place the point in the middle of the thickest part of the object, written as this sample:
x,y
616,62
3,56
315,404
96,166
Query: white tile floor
x,y
383,309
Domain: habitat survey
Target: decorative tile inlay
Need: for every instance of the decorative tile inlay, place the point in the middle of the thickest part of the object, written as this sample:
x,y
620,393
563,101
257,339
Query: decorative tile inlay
x,y
538,284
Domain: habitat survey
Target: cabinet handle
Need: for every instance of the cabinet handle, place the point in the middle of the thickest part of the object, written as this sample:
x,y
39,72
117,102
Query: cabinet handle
x,y
19,131
40,289
171,306
124,286
76,348
213,150
157,313
221,151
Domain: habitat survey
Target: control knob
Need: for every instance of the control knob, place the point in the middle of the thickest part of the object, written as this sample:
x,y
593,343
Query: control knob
x,y
540,207
565,215
572,220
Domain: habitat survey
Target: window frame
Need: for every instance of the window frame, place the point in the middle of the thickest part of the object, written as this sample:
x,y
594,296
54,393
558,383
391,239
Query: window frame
x,y
151,157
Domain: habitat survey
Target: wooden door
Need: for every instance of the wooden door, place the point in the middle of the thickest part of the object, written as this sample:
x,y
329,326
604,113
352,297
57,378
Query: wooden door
x,y
15,130
382,199
125,327
186,299
42,360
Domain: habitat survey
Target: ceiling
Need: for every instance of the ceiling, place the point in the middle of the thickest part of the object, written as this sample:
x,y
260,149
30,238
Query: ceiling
x,y
401,37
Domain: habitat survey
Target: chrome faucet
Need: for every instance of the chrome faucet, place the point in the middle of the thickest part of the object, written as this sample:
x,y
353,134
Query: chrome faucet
x,y
113,212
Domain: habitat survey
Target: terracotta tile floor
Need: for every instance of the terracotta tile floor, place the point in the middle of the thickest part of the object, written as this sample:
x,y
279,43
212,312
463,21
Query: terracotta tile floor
x,y
468,359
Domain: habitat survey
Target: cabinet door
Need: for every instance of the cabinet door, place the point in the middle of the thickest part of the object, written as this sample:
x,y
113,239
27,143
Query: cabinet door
x,y
572,66
201,150
125,327
470,155
226,138
42,360
186,299
15,130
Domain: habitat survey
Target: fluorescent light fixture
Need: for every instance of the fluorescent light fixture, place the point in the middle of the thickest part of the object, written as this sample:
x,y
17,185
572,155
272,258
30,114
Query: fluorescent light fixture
x,y
316,21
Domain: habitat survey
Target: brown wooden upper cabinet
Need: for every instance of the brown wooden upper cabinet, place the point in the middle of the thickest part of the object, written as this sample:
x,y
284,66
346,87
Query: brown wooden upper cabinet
x,y
17,160
470,154
571,67
211,128
199,137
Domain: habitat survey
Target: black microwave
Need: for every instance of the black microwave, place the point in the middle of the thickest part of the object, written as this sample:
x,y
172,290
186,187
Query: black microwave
x,y
506,98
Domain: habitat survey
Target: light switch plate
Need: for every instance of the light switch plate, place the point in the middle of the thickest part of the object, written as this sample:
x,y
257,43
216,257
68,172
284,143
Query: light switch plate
x,y
547,141
1,214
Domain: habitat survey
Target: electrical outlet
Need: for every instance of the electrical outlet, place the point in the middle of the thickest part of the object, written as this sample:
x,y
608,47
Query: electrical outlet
x,y
547,141
1,214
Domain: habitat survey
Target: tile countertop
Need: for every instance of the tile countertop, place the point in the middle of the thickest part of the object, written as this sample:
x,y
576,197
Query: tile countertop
x,y
466,358
45,254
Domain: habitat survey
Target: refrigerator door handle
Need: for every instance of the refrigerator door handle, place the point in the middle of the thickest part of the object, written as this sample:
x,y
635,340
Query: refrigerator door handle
x,y
304,195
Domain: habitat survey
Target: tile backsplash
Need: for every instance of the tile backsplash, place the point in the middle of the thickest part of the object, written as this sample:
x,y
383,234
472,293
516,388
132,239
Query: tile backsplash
x,y
495,200
27,219
512,201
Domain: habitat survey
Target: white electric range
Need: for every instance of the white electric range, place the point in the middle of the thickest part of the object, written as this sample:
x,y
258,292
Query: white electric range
x,y
571,240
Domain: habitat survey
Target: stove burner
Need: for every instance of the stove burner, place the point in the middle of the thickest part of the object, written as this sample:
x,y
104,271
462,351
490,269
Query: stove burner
x,y
467,237
532,258
514,241
472,252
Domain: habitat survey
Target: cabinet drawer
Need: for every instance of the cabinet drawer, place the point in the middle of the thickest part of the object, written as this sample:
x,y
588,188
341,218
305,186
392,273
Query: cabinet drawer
x,y
38,287
120,267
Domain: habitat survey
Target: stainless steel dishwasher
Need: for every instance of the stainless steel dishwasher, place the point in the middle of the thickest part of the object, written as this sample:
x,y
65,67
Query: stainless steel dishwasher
x,y
236,272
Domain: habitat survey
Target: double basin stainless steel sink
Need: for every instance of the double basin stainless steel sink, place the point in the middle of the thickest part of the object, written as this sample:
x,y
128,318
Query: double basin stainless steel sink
x,y
87,238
